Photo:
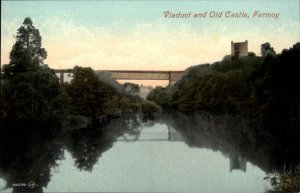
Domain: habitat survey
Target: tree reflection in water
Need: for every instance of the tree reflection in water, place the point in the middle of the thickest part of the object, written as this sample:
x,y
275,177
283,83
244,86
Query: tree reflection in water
x,y
239,139
28,155
87,144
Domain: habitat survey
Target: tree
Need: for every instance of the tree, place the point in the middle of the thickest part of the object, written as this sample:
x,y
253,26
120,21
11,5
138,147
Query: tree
x,y
266,49
131,88
159,95
28,42
251,54
31,90
87,94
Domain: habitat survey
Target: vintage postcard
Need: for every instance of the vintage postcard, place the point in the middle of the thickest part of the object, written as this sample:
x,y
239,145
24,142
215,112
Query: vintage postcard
x,y
150,96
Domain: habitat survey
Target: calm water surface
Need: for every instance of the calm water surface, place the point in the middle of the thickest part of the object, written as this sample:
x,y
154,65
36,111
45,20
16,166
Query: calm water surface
x,y
202,153
155,164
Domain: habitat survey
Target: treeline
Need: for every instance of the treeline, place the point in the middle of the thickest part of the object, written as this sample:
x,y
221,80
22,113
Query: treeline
x,y
89,96
264,88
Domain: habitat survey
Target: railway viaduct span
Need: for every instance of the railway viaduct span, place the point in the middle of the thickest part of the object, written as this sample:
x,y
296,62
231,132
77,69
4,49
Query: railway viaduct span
x,y
171,76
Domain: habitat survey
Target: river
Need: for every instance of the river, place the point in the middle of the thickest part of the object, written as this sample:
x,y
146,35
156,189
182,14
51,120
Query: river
x,y
173,153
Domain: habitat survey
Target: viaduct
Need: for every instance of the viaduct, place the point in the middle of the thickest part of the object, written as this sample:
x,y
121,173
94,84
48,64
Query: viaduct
x,y
171,76
171,135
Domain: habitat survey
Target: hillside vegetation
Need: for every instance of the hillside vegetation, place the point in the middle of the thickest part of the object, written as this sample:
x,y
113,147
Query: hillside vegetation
x,y
263,88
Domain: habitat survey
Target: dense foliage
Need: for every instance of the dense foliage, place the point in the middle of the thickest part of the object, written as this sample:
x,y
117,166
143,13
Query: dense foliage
x,y
264,88
131,88
89,96
32,98
288,181
160,96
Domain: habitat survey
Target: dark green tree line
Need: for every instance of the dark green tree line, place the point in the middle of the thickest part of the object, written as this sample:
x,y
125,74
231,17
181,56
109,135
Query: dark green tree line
x,y
90,97
264,88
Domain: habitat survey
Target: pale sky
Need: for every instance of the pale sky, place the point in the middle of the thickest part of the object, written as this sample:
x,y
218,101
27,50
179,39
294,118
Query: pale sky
x,y
136,35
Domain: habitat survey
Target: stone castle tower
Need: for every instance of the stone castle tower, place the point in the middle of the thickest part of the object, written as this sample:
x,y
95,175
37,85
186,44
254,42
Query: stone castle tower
x,y
239,49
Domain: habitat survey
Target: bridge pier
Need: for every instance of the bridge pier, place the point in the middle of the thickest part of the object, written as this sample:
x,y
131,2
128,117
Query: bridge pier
x,y
61,77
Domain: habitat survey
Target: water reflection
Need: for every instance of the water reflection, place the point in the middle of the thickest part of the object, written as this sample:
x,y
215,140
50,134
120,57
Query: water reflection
x,y
88,143
157,160
28,155
239,139
237,163
159,166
